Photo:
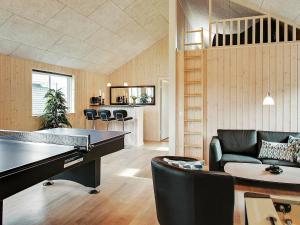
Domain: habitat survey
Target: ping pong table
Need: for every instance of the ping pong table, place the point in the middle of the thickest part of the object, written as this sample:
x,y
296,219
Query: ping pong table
x,y
27,158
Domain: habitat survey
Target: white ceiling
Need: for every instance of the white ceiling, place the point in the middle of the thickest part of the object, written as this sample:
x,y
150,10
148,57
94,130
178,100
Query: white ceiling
x,y
96,35
286,9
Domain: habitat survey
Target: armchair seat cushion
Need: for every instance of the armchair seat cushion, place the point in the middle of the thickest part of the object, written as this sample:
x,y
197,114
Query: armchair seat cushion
x,y
280,163
238,158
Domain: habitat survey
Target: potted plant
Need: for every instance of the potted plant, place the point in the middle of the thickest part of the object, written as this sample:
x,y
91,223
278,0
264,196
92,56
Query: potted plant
x,y
134,98
144,98
55,112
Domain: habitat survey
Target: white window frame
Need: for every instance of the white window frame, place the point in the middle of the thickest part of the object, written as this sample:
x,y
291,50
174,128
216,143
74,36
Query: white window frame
x,y
70,99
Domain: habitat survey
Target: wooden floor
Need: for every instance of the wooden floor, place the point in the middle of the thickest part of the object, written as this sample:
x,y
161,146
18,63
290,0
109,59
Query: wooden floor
x,y
126,196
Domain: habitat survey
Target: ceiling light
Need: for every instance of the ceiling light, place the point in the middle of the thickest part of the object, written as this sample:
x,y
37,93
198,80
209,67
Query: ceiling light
x,y
125,84
268,100
108,84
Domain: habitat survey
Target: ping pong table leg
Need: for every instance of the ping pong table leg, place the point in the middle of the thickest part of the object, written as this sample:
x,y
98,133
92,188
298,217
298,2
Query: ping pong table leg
x,y
87,174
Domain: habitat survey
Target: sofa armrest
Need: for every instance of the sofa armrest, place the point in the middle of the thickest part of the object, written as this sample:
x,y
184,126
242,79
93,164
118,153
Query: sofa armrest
x,y
215,154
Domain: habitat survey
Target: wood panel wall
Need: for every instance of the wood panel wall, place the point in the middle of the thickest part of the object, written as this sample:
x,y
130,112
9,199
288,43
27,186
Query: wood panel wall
x,y
146,69
181,26
16,92
238,81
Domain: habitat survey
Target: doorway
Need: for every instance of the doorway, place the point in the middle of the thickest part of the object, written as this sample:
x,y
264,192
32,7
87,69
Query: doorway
x,y
164,109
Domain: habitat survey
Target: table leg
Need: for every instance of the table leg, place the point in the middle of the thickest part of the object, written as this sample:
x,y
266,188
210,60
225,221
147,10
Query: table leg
x,y
239,208
87,174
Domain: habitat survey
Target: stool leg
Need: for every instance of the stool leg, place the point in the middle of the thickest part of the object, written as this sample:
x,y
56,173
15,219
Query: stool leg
x,y
123,125
107,125
94,125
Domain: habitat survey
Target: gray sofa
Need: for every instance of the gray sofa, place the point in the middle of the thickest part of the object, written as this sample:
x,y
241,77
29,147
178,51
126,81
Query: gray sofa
x,y
243,146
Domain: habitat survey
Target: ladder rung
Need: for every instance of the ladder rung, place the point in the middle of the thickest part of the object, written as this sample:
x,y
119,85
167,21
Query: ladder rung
x,y
193,82
193,95
195,43
192,56
192,69
193,146
193,108
192,133
194,31
193,120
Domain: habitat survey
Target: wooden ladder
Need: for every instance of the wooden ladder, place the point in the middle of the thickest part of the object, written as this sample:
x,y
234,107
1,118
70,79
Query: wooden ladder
x,y
193,103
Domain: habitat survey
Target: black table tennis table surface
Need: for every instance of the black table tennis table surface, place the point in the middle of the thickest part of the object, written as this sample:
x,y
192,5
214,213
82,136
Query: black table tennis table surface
x,y
16,154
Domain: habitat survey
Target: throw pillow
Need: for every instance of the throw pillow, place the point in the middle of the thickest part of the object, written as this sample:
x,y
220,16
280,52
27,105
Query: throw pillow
x,y
295,142
191,165
279,151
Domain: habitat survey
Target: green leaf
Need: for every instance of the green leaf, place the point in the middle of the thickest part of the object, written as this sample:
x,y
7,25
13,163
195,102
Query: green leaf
x,y
55,111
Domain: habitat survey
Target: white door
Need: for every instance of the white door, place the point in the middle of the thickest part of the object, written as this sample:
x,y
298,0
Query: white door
x,y
164,109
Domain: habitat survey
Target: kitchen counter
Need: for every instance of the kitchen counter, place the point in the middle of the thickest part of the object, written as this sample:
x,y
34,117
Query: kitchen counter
x,y
134,126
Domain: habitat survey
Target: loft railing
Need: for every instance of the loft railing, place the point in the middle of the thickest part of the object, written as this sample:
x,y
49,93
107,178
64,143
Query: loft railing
x,y
251,30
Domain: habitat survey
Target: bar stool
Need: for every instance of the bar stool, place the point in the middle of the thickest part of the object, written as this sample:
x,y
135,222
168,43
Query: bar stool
x,y
91,114
121,115
105,116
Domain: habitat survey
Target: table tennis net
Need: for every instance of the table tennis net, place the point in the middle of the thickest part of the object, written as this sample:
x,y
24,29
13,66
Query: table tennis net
x,y
80,142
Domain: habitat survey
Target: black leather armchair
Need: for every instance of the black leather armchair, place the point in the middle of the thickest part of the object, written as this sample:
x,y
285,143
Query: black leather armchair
x,y
191,197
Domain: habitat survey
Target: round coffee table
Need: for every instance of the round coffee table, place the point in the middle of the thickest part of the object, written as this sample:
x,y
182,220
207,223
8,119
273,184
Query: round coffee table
x,y
255,174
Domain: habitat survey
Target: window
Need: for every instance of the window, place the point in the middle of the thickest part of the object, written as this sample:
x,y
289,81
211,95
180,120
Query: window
x,y
42,82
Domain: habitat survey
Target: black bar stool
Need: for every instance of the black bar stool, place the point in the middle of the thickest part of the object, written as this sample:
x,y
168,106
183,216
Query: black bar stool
x,y
105,116
121,115
91,114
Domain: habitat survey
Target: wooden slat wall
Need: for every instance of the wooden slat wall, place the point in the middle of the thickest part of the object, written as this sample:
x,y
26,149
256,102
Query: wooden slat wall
x,y
237,82
181,26
16,96
180,112
146,69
